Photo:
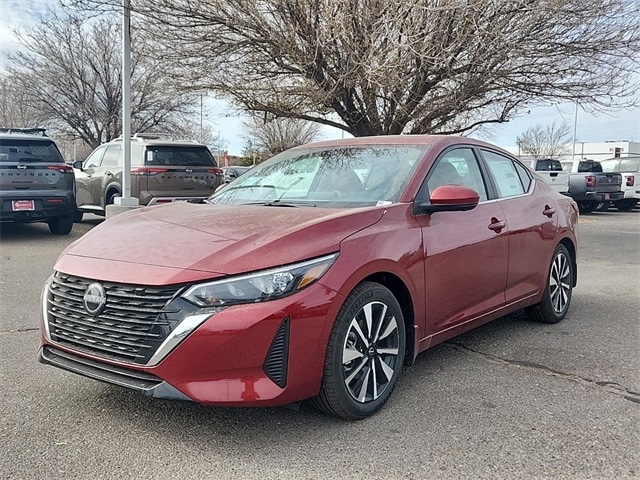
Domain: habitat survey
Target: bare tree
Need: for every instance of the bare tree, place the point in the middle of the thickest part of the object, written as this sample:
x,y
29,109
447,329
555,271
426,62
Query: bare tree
x,y
16,109
395,66
550,141
279,134
69,71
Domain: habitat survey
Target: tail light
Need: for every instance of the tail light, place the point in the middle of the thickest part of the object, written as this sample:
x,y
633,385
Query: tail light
x,y
217,171
61,168
148,170
591,180
630,181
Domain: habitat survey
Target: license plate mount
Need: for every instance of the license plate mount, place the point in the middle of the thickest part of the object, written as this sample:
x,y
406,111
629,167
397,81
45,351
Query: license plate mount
x,y
23,205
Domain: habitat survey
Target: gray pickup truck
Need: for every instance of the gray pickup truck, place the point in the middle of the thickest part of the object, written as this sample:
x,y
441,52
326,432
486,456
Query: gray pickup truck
x,y
590,186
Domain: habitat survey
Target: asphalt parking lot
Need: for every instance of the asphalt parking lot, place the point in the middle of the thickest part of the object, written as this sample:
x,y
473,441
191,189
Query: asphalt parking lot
x,y
512,399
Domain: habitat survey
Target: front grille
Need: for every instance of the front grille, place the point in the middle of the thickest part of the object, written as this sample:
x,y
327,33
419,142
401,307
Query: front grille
x,y
132,325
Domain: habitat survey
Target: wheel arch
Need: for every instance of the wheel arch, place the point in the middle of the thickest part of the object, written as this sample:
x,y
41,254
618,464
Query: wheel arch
x,y
570,246
402,294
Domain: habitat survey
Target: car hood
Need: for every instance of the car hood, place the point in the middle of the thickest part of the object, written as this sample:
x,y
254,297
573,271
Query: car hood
x,y
184,242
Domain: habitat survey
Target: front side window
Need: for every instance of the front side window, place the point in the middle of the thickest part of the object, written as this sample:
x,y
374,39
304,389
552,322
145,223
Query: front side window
x,y
504,173
110,158
95,158
337,177
457,167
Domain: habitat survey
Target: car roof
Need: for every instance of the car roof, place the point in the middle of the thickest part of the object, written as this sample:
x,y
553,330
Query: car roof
x,y
419,140
24,136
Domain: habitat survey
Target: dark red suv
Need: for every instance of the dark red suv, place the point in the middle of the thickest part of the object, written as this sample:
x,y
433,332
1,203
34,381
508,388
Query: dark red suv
x,y
317,274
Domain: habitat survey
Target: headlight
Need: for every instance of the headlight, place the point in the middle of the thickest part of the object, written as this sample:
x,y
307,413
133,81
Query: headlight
x,y
260,286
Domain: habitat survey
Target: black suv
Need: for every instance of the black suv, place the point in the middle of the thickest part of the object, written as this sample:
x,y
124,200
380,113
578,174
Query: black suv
x,y
35,183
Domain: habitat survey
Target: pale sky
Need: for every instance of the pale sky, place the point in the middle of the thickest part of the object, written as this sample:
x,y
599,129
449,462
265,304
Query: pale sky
x,y
611,125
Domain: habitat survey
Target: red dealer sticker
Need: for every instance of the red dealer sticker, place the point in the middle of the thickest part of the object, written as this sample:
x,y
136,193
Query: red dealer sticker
x,y
22,205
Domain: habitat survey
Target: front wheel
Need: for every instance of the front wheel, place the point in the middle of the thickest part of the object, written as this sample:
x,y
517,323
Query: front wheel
x,y
365,354
557,295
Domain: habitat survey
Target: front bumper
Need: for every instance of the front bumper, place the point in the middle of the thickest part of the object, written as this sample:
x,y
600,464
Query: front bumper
x,y
263,354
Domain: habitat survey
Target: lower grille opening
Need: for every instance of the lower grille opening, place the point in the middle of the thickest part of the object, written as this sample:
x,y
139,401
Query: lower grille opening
x,y
276,363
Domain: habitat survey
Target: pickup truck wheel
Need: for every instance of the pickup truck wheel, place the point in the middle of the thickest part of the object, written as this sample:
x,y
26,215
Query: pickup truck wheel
x,y
587,206
557,295
365,354
625,205
603,206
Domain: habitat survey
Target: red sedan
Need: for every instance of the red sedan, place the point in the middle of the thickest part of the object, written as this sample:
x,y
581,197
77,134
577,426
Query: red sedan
x,y
318,274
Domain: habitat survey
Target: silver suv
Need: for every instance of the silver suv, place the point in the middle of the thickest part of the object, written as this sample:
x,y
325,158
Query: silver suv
x,y
163,170
35,183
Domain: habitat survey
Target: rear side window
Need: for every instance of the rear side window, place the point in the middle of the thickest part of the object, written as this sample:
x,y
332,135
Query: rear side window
x,y
19,150
181,156
504,172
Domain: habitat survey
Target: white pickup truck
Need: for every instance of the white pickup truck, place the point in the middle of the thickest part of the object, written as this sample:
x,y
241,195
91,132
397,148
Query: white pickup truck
x,y
551,172
629,168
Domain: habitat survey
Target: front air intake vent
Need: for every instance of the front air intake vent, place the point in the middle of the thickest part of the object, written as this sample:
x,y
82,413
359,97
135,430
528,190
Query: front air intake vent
x,y
275,365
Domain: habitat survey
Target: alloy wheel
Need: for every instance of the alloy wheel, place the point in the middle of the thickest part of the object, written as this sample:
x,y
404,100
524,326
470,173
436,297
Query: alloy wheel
x,y
370,353
560,283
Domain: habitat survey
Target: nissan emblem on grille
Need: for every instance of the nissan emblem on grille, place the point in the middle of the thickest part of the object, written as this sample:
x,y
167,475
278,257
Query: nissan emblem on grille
x,y
94,299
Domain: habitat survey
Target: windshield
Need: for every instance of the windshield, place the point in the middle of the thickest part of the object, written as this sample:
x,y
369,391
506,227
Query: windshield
x,y
340,177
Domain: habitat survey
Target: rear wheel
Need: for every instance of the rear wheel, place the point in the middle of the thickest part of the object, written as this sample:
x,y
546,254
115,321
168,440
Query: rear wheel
x,y
61,225
365,354
557,296
625,205
587,206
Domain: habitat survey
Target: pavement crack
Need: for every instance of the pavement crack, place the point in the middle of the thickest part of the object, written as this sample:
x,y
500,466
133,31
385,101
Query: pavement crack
x,y
19,330
606,386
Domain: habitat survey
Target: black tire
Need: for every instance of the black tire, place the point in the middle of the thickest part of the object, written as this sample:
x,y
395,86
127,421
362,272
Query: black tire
x,y
625,205
369,332
603,206
557,295
111,196
587,206
61,225
77,216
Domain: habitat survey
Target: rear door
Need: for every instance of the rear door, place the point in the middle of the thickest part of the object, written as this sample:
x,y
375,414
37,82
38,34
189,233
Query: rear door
x,y
175,171
531,219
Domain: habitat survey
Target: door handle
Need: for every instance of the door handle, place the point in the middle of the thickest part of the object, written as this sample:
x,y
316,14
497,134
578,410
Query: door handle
x,y
108,173
497,225
548,211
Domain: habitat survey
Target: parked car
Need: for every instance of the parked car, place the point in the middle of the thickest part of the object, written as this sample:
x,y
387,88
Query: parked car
x,y
590,186
231,173
629,168
35,183
162,171
318,274
550,170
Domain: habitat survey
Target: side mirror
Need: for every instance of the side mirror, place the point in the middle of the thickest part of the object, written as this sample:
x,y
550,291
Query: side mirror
x,y
77,164
450,198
